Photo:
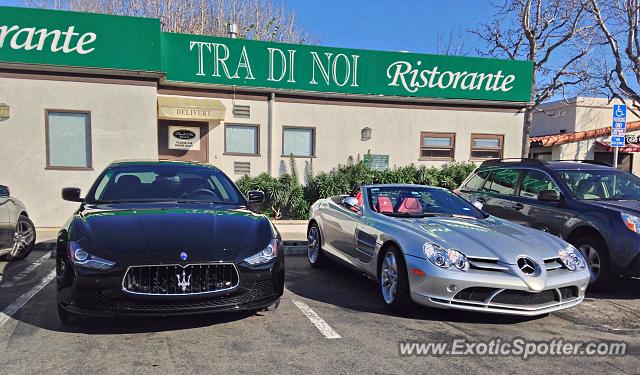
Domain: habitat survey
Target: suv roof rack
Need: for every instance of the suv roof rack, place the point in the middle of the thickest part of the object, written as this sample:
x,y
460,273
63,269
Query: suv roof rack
x,y
594,162
527,161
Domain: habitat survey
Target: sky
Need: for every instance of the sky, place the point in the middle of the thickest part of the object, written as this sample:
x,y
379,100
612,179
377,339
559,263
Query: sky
x,y
399,25
388,25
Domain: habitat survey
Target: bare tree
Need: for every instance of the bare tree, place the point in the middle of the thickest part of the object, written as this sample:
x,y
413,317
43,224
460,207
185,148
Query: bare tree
x,y
551,34
617,23
256,19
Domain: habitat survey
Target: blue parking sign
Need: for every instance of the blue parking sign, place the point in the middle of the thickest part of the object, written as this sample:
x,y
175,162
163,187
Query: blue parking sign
x,y
619,112
617,141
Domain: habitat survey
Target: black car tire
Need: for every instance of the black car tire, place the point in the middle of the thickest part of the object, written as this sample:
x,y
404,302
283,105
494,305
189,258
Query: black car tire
x,y
606,277
316,257
23,220
402,302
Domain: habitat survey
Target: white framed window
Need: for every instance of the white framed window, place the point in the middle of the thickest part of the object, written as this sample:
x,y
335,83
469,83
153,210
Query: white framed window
x,y
68,137
298,141
241,139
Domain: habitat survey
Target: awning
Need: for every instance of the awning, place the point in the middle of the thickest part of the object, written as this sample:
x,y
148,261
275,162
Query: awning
x,y
629,147
173,107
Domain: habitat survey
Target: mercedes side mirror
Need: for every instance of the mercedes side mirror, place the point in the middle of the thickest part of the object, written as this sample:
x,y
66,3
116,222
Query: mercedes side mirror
x,y
548,196
4,191
71,194
351,203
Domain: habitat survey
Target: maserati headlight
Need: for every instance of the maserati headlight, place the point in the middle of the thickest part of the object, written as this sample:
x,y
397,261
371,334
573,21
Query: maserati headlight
x,y
572,258
632,222
447,259
265,256
82,258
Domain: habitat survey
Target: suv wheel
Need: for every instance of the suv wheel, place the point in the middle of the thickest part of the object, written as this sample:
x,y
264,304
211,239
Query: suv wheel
x,y
595,251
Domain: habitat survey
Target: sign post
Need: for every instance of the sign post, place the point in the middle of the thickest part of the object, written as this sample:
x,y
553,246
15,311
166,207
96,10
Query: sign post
x,y
618,130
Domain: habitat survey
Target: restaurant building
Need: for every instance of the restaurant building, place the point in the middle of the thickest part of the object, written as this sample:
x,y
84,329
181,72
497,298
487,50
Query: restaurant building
x,y
79,91
580,129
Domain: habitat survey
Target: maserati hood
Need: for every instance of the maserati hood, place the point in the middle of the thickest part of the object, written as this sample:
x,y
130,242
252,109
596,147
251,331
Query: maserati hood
x,y
157,235
489,238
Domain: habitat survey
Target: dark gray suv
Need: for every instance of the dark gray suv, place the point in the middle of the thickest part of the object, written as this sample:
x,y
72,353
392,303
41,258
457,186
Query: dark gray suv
x,y
595,207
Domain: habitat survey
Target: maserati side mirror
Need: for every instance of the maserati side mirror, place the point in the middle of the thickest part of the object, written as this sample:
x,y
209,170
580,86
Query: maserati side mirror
x,y
71,194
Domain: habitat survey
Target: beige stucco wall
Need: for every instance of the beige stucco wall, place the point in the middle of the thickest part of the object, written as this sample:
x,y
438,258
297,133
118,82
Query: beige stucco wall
x,y
123,125
395,132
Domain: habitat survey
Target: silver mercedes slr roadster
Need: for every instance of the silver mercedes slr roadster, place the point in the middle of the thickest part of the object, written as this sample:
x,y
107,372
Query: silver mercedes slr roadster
x,y
428,246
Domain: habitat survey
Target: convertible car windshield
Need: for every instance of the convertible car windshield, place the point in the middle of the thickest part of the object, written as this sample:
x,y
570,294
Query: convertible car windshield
x,y
419,202
162,182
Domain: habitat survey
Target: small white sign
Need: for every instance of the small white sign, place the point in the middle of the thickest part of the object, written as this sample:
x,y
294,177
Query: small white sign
x,y
184,138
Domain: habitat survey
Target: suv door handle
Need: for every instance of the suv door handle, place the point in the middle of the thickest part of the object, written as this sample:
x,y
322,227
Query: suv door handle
x,y
517,206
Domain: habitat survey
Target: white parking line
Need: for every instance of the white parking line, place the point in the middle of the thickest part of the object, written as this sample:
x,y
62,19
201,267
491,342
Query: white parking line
x,y
23,299
26,271
317,321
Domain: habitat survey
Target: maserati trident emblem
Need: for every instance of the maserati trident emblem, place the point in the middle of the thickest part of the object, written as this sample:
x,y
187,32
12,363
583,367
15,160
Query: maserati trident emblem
x,y
185,282
183,256
527,265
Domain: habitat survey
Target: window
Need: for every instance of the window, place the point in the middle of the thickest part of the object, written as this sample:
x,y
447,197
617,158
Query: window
x,y
242,139
536,181
486,146
68,136
475,183
298,141
502,181
438,146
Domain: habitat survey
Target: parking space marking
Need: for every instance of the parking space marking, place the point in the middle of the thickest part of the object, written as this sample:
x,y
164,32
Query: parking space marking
x,y
26,271
13,308
317,321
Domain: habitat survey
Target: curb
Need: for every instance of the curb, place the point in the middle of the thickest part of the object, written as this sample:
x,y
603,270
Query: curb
x,y
295,248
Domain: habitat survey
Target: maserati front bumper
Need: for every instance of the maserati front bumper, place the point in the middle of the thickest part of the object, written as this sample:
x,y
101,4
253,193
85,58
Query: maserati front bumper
x,y
97,293
494,291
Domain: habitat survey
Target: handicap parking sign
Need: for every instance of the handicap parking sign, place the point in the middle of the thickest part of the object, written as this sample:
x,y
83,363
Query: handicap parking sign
x,y
619,113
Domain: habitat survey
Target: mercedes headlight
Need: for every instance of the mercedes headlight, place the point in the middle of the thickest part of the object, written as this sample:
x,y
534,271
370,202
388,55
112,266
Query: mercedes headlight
x,y
265,256
82,258
631,222
571,258
447,259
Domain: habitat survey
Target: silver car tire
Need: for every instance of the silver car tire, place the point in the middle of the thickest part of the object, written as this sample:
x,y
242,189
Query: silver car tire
x,y
315,256
24,239
394,281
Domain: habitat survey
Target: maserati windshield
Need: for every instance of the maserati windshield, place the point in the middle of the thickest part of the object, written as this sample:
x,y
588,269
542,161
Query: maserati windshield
x,y
163,183
602,185
420,202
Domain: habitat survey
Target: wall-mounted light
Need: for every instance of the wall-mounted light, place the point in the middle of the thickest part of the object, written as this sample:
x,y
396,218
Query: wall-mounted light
x,y
4,112
365,134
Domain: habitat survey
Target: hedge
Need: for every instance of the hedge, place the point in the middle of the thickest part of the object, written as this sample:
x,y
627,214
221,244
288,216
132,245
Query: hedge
x,y
286,198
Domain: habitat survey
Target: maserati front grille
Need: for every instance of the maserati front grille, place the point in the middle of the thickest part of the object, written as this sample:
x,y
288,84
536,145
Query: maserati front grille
x,y
176,279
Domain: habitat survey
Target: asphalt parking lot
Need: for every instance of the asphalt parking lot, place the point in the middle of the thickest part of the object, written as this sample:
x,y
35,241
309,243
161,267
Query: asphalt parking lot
x,y
317,304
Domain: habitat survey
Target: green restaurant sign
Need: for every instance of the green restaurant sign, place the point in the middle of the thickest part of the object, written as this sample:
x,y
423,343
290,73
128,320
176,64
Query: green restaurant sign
x,y
48,37
126,43
224,61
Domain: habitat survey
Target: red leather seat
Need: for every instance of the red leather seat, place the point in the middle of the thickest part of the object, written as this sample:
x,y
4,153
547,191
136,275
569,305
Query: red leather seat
x,y
410,205
384,204
359,198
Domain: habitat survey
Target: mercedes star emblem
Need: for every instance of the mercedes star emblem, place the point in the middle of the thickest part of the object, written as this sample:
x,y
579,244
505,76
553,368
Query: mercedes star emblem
x,y
527,265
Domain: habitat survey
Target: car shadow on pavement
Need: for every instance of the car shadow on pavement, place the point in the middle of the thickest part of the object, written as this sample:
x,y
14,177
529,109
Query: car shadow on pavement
x,y
340,286
626,288
14,268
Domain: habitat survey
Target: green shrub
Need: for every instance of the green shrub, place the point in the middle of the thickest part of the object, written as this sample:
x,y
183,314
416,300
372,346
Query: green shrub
x,y
286,198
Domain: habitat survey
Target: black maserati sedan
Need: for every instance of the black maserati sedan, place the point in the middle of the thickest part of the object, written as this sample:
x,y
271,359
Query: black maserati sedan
x,y
166,238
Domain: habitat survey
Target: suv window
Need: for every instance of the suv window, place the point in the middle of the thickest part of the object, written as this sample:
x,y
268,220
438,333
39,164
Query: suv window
x,y
502,181
476,181
536,181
